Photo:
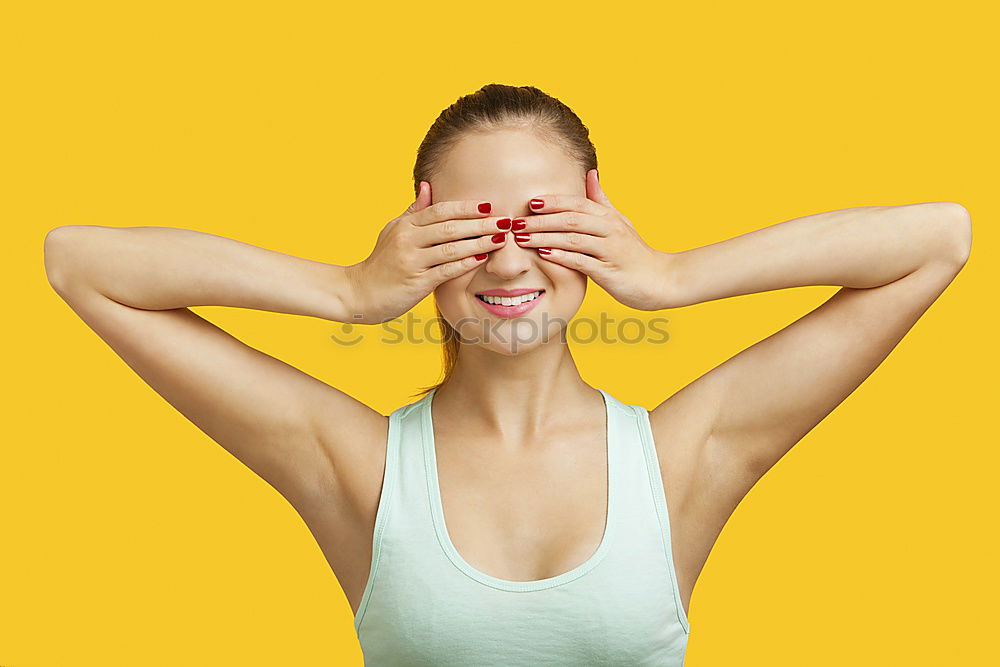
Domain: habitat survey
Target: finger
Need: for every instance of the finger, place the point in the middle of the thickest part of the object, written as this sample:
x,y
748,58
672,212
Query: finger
x,y
449,252
450,210
452,230
594,190
563,202
592,245
563,221
577,261
444,272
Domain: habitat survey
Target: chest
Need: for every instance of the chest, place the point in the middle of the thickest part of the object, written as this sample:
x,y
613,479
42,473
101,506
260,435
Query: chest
x,y
502,556
528,513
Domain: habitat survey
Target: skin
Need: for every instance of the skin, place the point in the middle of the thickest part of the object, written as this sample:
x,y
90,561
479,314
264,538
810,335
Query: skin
x,y
538,509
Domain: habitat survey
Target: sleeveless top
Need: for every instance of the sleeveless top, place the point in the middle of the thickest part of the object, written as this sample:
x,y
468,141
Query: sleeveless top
x,y
423,604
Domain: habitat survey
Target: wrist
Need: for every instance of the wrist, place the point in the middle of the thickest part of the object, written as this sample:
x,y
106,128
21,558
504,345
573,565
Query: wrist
x,y
668,270
343,288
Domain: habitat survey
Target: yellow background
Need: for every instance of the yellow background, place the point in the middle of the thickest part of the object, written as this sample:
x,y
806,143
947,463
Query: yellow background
x,y
127,537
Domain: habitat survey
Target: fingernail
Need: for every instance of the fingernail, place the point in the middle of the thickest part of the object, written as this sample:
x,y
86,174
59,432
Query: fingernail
x,y
521,238
498,238
503,223
481,257
485,207
536,203
519,224
544,251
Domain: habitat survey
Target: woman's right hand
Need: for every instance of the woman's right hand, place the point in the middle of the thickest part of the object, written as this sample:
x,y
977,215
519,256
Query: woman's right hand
x,y
417,251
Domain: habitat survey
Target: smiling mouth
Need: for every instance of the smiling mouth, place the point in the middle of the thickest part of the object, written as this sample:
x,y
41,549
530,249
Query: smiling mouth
x,y
510,300
511,306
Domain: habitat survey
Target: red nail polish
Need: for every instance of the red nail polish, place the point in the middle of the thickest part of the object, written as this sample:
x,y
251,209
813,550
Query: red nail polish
x,y
485,207
521,238
498,238
518,224
544,251
503,223
536,203
481,257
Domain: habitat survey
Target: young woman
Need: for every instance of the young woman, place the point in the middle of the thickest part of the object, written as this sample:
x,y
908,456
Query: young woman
x,y
513,515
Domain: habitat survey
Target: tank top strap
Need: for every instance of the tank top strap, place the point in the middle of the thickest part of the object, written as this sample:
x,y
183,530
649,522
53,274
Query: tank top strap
x,y
403,503
647,495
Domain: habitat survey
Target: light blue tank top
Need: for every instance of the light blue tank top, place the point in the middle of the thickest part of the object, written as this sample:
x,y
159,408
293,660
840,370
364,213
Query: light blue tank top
x,y
424,604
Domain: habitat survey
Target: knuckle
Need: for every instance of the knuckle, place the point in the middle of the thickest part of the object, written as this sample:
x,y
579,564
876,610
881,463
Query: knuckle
x,y
449,228
571,220
407,266
413,218
449,250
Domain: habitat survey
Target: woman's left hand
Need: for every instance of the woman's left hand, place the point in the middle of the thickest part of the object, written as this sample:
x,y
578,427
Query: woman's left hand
x,y
589,235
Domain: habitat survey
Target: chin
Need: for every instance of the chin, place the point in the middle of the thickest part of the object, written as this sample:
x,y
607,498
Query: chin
x,y
519,335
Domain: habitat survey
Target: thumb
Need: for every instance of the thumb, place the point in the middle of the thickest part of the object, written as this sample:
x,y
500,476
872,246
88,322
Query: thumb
x,y
423,199
594,190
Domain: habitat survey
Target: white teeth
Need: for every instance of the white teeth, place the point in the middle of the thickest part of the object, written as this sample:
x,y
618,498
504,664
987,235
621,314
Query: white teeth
x,y
509,300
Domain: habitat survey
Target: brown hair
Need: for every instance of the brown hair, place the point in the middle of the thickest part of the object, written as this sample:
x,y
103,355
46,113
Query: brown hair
x,y
494,107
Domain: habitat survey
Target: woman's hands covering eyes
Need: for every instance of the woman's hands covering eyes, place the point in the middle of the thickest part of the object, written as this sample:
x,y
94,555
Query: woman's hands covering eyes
x,y
589,235
417,251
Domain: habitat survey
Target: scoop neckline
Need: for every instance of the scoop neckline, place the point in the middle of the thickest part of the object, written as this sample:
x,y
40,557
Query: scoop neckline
x,y
444,538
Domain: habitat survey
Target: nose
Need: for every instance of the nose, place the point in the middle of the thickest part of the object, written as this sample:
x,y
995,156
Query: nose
x,y
509,261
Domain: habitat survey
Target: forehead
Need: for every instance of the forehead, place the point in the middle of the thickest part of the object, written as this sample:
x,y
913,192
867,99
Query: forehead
x,y
501,163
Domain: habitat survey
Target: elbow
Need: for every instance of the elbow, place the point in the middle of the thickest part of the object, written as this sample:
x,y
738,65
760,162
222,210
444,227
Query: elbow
x,y
957,235
53,257
57,256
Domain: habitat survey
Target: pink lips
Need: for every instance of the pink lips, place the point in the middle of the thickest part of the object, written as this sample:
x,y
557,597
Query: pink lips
x,y
510,311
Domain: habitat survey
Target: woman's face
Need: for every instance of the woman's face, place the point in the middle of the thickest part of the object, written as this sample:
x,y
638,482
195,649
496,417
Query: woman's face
x,y
507,168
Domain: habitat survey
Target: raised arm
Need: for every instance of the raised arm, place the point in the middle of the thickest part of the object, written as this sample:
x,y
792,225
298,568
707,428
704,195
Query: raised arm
x,y
892,263
133,286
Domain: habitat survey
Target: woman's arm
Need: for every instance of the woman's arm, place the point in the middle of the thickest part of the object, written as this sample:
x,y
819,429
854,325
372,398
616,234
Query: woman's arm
x,y
892,261
133,286
719,434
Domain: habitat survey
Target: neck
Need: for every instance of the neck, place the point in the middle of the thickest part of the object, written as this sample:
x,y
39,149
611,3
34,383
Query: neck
x,y
513,396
